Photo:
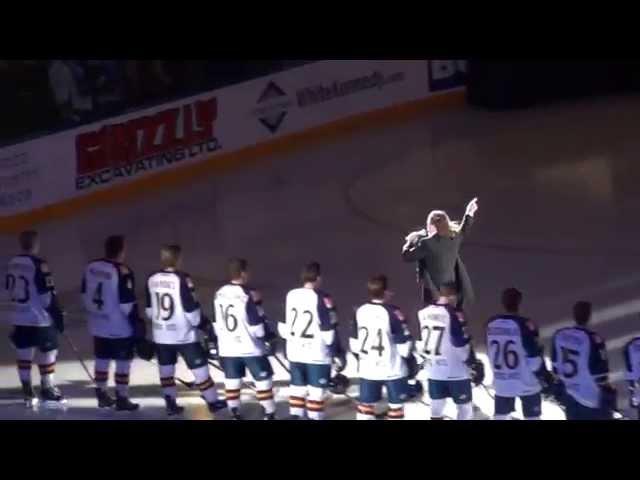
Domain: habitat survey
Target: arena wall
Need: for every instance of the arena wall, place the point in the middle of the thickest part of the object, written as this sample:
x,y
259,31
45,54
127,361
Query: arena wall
x,y
56,175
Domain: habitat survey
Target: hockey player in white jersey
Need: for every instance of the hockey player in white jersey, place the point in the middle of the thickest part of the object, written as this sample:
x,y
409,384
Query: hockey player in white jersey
x,y
309,329
450,361
381,343
632,367
579,359
108,294
175,314
240,326
517,361
37,316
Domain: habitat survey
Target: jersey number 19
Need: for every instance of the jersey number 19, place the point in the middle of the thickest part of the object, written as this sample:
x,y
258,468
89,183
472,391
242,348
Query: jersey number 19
x,y
165,307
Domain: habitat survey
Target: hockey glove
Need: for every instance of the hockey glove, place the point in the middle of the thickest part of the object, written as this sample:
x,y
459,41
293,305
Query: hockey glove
x,y
211,345
413,367
145,349
57,315
552,386
340,362
634,395
339,384
609,397
477,372
272,341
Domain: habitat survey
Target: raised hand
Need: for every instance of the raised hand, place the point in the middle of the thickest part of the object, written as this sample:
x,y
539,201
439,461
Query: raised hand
x,y
472,208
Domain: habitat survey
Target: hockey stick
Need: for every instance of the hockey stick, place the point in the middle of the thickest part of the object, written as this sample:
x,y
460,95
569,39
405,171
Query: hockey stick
x,y
189,385
488,392
286,369
219,368
79,357
345,394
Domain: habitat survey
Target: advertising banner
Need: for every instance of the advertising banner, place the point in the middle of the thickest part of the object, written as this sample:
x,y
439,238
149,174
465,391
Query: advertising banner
x,y
117,151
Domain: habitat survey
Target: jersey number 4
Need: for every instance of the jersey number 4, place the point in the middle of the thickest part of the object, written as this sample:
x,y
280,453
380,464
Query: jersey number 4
x,y
12,287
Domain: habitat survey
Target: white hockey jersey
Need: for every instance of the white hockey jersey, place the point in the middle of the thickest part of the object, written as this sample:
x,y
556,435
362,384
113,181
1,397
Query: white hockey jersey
x,y
579,359
172,307
108,294
309,327
31,292
632,360
239,321
380,339
444,343
515,354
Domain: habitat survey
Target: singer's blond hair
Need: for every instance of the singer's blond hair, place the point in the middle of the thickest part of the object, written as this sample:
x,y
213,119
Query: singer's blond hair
x,y
454,226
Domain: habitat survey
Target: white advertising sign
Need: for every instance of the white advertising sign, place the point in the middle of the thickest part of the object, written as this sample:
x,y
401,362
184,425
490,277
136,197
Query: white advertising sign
x,y
73,163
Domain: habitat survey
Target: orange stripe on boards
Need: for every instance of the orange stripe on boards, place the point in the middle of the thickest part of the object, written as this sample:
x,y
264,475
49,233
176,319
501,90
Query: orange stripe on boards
x,y
226,162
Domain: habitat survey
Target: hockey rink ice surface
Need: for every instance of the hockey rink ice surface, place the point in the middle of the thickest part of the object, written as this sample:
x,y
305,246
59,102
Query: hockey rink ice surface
x,y
559,201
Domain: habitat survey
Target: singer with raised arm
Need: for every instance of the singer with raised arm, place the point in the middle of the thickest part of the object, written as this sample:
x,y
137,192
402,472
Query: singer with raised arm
x,y
436,250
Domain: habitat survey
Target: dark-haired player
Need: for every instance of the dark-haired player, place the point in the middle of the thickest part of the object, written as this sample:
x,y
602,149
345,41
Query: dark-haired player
x,y
517,361
240,325
381,342
108,294
309,330
579,357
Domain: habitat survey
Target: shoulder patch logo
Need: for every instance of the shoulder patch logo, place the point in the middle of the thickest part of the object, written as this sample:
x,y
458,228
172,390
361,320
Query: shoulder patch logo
x,y
189,283
255,296
44,267
399,314
124,270
328,302
531,326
